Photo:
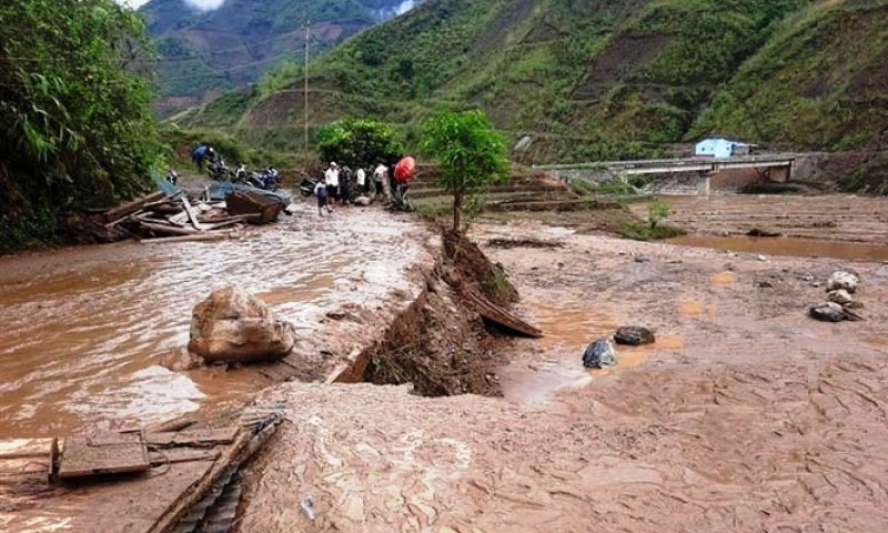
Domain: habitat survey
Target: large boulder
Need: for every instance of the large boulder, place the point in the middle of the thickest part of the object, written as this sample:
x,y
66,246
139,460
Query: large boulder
x,y
232,326
634,336
600,354
842,280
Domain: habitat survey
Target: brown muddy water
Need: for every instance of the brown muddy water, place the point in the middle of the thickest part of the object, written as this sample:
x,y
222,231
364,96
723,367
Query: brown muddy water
x,y
82,331
787,246
568,329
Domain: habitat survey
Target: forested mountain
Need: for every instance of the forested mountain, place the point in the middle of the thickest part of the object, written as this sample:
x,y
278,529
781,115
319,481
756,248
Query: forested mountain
x,y
592,79
203,53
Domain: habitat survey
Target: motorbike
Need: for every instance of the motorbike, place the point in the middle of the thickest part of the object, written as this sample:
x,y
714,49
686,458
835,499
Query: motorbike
x,y
307,186
267,179
240,174
217,170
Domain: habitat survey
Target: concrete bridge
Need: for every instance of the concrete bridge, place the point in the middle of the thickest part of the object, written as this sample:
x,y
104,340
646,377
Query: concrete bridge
x,y
773,167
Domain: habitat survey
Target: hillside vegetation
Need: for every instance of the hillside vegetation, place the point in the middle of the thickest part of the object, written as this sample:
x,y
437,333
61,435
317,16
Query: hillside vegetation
x,y
75,127
204,53
601,79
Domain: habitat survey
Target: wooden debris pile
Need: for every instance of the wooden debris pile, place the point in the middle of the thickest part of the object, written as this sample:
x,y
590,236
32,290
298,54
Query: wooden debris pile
x,y
158,217
161,479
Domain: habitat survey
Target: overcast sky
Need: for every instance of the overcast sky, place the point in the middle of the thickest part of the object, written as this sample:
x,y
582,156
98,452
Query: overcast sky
x,y
200,4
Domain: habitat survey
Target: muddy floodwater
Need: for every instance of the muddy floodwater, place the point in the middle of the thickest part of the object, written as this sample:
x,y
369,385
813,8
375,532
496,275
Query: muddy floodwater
x,y
791,247
82,330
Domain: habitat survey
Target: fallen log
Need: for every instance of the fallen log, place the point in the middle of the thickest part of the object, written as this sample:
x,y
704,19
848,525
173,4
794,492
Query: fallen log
x,y
196,237
166,230
192,215
131,207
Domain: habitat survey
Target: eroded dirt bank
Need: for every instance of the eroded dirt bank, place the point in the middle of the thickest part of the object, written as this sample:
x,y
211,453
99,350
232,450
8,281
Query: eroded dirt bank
x,y
746,415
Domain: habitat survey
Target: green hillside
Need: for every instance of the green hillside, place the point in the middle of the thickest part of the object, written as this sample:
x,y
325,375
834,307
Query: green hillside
x,y
203,53
596,79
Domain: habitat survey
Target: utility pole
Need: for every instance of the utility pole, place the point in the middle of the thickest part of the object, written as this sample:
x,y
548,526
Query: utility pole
x,y
305,89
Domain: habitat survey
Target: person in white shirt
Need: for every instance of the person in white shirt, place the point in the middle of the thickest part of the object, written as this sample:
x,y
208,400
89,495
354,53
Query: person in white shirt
x,y
363,186
380,178
332,178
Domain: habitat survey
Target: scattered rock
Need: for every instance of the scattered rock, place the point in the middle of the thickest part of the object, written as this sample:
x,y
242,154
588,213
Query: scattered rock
x,y
642,259
362,200
839,296
853,305
828,312
765,285
634,336
842,280
762,258
755,232
600,354
232,326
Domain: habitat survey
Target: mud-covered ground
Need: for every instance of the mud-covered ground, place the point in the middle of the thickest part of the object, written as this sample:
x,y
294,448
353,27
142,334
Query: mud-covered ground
x,y
745,416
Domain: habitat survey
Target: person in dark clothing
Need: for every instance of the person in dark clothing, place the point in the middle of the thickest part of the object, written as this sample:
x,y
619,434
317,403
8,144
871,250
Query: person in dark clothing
x,y
346,178
321,192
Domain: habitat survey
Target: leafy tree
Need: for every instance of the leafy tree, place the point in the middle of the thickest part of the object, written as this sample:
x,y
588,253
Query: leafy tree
x,y
471,155
75,123
359,142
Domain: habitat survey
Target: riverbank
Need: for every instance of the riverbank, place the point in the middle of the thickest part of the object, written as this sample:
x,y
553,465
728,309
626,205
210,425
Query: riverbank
x,y
745,415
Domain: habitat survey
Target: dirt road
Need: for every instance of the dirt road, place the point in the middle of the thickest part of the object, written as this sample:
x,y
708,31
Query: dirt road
x,y
746,416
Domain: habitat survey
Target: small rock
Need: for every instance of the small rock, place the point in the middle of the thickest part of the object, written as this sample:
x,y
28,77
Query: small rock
x,y
816,284
853,305
336,315
762,258
600,354
642,259
839,296
765,285
828,312
634,336
842,280
807,277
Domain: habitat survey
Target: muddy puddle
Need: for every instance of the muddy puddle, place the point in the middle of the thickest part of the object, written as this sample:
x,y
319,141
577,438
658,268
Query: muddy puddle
x,y
82,331
568,330
792,247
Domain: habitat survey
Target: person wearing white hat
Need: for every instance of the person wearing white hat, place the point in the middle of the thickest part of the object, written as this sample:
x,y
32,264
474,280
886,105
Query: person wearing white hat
x,y
332,177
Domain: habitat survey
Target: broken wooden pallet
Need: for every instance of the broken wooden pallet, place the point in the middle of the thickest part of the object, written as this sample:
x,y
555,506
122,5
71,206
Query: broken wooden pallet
x,y
101,453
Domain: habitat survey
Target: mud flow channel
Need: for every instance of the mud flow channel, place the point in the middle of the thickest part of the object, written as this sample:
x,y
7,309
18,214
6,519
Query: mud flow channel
x,y
82,330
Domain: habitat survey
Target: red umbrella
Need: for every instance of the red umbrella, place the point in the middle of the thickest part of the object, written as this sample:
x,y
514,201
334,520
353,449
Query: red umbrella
x,y
405,169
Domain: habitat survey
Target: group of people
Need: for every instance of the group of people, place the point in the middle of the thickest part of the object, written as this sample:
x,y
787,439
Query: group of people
x,y
342,185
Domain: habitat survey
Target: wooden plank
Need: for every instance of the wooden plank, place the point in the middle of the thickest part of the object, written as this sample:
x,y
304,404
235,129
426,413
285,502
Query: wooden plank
x,y
101,453
167,230
20,448
29,457
131,207
198,237
182,455
192,215
193,438
502,317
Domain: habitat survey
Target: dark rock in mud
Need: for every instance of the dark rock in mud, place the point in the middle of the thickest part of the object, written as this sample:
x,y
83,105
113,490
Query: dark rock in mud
x,y
828,312
600,354
634,336
755,232
232,326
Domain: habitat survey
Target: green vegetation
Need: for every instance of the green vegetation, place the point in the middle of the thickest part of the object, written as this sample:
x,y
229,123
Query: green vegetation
x,y
74,118
360,143
657,211
470,154
642,232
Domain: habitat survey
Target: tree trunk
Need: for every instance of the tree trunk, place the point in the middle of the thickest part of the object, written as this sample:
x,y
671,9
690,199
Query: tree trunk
x,y
457,212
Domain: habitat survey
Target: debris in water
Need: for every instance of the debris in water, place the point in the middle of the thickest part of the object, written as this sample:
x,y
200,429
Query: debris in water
x,y
600,354
634,336
308,509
